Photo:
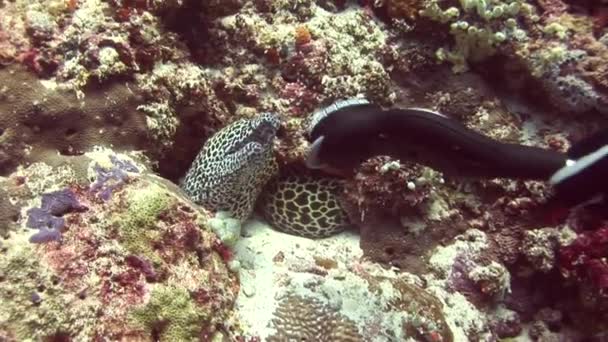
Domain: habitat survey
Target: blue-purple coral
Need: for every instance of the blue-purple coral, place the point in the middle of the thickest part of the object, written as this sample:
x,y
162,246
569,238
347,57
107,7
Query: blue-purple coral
x,y
108,180
48,217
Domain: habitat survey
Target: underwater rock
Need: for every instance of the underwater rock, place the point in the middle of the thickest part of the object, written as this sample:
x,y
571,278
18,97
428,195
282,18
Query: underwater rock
x,y
10,211
89,60
323,290
40,122
139,264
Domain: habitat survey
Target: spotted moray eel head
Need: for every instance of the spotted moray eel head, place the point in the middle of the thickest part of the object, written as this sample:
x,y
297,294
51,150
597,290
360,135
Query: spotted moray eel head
x,y
233,166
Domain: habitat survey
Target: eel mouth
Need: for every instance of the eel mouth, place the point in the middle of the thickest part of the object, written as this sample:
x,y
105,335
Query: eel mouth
x,y
262,134
313,159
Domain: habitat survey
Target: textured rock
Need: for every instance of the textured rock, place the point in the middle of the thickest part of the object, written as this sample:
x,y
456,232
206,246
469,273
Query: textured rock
x,y
40,121
136,263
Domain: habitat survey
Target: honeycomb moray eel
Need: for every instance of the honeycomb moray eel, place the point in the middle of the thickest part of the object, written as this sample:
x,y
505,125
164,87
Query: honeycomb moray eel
x,y
235,164
304,204
349,132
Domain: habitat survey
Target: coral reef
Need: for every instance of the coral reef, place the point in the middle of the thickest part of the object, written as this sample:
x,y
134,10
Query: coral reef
x,y
10,210
584,259
41,121
401,211
465,269
530,39
479,27
123,254
133,265
327,280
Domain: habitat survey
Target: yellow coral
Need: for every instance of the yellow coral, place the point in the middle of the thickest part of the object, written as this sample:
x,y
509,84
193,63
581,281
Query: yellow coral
x,y
478,27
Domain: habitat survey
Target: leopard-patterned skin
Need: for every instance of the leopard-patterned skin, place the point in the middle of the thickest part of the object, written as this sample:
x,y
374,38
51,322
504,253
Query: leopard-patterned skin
x,y
233,166
304,205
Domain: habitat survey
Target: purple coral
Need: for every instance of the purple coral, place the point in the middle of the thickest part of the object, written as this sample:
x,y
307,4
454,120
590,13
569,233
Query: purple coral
x,y
39,218
48,218
458,279
108,180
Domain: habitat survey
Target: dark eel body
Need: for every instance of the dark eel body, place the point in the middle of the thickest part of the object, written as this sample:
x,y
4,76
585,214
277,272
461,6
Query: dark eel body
x,y
354,133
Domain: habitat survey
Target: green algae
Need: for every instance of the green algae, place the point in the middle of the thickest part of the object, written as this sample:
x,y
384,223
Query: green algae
x,y
139,219
34,301
172,313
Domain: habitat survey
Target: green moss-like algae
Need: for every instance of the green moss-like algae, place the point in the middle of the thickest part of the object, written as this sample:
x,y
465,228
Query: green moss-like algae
x,y
139,218
172,313
34,301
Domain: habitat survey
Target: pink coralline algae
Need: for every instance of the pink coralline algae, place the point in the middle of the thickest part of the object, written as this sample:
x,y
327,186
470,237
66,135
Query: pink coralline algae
x,y
144,265
300,98
586,259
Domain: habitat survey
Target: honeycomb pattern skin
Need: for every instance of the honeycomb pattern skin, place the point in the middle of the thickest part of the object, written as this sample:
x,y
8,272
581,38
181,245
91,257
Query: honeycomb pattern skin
x,y
233,166
304,205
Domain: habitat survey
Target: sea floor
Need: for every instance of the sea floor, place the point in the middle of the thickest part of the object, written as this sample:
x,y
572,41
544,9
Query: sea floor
x,y
333,276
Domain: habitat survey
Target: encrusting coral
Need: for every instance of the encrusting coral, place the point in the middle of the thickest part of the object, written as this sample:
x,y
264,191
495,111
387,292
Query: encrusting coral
x,y
306,319
48,218
131,263
40,121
